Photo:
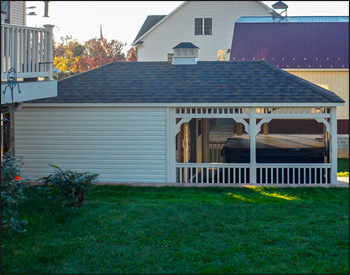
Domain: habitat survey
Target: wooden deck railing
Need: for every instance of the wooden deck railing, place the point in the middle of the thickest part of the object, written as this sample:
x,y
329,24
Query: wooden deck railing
x,y
28,50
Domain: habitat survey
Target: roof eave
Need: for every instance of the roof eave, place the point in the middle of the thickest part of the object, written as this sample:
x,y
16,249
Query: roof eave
x,y
274,104
160,22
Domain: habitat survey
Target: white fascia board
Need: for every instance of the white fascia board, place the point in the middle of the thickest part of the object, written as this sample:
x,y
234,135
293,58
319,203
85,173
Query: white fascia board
x,y
29,91
266,6
160,22
186,105
315,70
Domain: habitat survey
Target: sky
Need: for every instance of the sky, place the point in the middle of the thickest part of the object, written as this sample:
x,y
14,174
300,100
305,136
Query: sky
x,y
121,20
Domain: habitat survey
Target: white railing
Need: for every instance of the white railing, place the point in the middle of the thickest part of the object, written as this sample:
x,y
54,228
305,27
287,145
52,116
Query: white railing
x,y
216,173
293,173
28,50
222,173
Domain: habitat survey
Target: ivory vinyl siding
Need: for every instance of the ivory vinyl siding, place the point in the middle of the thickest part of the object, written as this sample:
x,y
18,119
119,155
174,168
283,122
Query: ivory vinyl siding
x,y
121,144
179,27
335,81
17,13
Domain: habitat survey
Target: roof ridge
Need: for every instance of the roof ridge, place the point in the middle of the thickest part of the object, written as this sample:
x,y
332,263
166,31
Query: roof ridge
x,y
85,72
297,80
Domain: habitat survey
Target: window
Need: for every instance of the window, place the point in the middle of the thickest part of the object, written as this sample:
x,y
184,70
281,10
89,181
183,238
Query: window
x,y
207,26
5,7
200,28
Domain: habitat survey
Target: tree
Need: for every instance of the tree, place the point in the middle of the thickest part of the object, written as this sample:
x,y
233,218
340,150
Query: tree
x,y
131,55
98,52
67,54
71,57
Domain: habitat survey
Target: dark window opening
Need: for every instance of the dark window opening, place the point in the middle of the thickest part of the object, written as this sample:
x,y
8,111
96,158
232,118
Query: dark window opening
x,y
198,26
208,26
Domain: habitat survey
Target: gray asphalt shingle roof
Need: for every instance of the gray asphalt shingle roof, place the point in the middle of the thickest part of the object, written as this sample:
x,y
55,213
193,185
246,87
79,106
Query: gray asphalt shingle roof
x,y
205,82
185,45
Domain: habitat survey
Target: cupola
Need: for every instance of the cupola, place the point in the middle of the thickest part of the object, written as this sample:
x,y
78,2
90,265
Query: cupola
x,y
185,53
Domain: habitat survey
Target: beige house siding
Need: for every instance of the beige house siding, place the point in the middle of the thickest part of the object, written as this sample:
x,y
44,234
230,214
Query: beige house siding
x,y
179,27
17,13
121,144
335,81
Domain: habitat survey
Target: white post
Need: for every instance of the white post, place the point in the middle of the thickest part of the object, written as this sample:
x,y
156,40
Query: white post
x,y
252,133
49,50
172,153
334,145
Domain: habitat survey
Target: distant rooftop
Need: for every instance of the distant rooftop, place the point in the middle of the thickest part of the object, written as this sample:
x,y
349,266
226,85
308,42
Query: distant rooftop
x,y
150,21
300,42
294,19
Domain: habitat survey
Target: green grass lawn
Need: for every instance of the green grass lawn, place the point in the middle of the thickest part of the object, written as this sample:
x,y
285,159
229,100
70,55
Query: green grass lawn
x,y
343,167
184,230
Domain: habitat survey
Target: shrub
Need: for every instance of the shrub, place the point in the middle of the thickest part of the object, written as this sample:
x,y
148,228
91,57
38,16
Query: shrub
x,y
12,187
69,187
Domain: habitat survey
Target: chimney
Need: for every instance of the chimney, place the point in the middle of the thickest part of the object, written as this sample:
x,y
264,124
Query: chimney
x,y
185,53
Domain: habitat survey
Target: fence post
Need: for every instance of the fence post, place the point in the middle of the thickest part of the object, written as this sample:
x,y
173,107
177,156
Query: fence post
x,y
252,133
334,145
49,50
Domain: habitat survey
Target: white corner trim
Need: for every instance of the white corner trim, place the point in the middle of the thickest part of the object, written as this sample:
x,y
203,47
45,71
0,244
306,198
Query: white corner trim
x,y
246,125
258,126
160,22
325,122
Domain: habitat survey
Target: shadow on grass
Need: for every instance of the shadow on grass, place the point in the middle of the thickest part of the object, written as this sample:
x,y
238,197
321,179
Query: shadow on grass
x,y
216,195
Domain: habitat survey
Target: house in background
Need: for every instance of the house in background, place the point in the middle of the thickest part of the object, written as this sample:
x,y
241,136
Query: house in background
x,y
207,24
29,51
315,48
154,127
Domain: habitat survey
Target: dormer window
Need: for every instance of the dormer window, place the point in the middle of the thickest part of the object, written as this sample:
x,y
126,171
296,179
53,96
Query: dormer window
x,y
203,26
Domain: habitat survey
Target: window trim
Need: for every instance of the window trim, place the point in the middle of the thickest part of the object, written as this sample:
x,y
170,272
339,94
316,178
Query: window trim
x,y
205,29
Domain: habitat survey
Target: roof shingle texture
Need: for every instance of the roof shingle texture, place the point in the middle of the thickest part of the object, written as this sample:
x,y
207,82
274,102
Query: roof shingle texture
x,y
185,45
205,82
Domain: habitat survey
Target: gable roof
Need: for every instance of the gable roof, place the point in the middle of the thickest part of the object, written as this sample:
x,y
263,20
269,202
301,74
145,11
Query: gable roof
x,y
293,42
207,82
150,21
150,28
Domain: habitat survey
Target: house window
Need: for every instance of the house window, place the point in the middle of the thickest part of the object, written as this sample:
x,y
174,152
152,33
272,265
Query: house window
x,y
203,26
5,7
198,26
208,26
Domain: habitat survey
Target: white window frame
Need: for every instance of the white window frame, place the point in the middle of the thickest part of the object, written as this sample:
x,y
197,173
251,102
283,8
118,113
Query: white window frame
x,y
203,27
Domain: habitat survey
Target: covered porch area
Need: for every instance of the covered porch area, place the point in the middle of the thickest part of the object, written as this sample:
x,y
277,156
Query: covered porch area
x,y
245,152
